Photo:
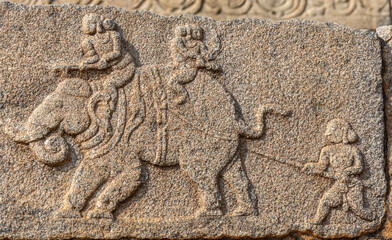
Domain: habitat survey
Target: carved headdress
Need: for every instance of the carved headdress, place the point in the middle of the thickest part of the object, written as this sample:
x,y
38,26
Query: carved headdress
x,y
348,134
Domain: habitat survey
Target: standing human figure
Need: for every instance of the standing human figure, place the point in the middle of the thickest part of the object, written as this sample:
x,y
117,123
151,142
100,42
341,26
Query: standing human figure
x,y
342,161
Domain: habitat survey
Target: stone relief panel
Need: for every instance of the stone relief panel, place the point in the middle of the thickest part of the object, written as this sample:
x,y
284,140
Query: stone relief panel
x,y
128,124
354,13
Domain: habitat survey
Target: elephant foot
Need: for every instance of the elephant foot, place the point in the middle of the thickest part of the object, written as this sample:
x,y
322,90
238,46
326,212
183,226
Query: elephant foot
x,y
99,213
208,213
67,213
245,211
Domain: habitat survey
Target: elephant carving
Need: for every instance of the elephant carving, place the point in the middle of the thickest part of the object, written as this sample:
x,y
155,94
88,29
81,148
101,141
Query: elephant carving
x,y
56,112
164,115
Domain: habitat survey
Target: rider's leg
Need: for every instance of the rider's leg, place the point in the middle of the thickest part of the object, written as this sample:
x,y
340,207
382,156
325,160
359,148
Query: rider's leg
x,y
118,79
188,75
182,76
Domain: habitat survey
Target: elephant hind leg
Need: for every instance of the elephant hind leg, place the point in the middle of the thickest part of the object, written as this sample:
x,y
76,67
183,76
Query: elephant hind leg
x,y
239,182
209,196
122,187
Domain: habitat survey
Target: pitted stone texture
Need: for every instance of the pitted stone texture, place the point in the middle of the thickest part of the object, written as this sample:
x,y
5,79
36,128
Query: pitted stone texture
x,y
385,35
354,13
127,124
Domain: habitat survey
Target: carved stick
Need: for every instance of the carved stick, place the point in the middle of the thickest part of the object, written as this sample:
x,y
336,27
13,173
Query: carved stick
x,y
292,163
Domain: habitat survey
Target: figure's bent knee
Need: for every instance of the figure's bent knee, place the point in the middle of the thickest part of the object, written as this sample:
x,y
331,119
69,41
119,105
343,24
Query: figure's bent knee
x,y
332,200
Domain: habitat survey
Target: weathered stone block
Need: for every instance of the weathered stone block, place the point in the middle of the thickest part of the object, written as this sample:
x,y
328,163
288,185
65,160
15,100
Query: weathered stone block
x,y
127,124
354,13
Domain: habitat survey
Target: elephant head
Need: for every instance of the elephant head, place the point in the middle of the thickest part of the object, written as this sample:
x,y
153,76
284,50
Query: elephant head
x,y
70,110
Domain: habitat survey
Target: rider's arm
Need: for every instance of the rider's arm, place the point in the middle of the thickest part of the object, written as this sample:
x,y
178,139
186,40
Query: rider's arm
x,y
116,53
89,52
204,50
357,166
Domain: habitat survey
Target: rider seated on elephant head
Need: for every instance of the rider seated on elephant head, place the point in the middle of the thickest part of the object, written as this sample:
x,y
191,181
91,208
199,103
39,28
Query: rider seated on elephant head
x,y
104,50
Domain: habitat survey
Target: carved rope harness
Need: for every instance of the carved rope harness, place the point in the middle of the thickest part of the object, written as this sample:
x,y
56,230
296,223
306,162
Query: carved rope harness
x,y
160,104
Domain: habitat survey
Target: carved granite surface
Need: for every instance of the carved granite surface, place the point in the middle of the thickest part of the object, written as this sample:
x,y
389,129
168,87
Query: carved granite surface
x,y
355,13
128,124
385,35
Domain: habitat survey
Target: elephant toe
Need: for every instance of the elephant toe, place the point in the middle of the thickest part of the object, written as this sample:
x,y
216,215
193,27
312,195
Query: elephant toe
x,y
67,213
209,213
100,214
245,211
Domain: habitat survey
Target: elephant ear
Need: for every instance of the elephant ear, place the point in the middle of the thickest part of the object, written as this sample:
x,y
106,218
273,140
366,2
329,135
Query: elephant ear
x,y
94,108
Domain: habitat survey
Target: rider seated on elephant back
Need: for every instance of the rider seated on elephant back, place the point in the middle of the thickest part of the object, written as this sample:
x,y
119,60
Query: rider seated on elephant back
x,y
189,54
104,50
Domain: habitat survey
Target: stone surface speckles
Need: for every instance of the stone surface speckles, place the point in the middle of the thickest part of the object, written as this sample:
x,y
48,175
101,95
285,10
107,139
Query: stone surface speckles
x,y
128,124
360,14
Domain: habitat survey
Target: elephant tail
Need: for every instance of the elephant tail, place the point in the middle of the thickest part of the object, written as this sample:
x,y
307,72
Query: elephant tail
x,y
259,130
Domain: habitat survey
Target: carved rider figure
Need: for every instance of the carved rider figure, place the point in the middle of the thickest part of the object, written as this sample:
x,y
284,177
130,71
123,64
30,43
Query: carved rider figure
x,y
189,54
103,49
343,162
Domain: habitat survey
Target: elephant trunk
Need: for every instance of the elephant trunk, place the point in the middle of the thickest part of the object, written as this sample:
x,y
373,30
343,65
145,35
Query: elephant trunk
x,y
259,130
52,150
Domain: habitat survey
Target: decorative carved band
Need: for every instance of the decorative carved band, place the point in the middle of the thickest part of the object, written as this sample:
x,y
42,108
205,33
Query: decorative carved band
x,y
354,13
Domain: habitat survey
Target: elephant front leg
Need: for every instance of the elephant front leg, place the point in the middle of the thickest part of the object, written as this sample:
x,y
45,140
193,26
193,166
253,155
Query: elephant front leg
x,y
121,188
87,179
